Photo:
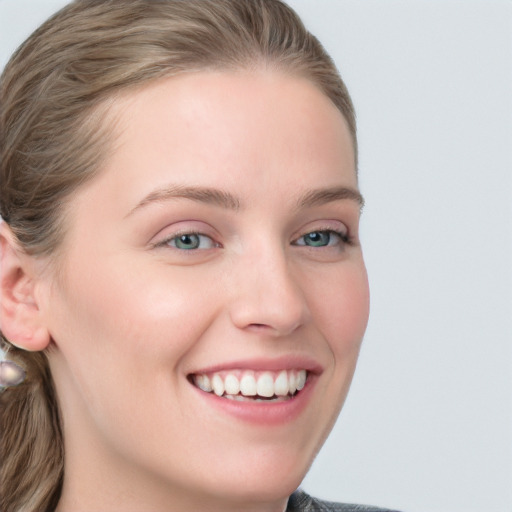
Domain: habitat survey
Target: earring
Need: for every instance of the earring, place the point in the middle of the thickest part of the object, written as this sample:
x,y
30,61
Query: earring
x,y
11,374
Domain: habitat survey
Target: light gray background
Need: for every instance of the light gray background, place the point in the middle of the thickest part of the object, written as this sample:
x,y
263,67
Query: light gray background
x,y
428,424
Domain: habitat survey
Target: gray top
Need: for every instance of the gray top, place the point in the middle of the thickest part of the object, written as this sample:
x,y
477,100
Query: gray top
x,y
301,502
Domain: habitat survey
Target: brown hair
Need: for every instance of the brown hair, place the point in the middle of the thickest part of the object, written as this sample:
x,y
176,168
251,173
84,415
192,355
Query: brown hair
x,y
53,92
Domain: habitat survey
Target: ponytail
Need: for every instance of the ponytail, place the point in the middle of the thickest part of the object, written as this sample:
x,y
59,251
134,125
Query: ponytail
x,y
31,448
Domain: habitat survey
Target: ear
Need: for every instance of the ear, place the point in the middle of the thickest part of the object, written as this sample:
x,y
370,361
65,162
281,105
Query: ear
x,y
21,321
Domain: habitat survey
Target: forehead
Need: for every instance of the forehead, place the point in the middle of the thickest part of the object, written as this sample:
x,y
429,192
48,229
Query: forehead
x,y
232,111
222,128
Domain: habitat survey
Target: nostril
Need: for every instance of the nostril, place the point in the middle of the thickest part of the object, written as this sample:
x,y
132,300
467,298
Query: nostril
x,y
260,328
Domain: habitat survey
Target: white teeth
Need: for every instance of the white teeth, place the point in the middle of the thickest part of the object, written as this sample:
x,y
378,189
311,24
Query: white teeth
x,y
292,383
239,384
301,379
281,384
218,385
265,385
248,385
203,382
232,385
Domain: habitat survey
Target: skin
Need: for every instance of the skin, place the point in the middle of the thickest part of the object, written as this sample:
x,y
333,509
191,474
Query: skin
x,y
129,316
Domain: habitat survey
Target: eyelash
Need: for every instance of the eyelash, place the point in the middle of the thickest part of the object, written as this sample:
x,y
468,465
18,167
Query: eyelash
x,y
344,238
190,233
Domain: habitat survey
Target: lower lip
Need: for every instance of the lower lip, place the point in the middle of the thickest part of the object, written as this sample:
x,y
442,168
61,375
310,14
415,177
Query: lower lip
x,y
264,412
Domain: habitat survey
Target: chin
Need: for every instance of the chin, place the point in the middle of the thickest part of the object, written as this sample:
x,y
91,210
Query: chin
x,y
261,490
269,478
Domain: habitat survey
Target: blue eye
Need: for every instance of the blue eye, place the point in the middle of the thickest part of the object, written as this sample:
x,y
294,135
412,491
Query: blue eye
x,y
191,241
322,238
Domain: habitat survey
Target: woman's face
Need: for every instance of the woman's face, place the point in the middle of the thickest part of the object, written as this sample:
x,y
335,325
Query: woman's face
x,y
219,246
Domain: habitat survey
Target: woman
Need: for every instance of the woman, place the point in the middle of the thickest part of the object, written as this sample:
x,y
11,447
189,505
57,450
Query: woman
x,y
182,280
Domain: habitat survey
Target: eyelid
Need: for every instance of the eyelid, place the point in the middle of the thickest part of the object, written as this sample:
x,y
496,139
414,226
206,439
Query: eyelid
x,y
340,236
334,226
163,241
343,237
212,244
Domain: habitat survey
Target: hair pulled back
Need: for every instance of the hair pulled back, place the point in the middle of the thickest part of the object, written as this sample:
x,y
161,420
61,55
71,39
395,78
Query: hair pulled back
x,y
54,93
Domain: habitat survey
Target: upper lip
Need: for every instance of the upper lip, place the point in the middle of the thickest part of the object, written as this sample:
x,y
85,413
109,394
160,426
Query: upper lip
x,y
291,362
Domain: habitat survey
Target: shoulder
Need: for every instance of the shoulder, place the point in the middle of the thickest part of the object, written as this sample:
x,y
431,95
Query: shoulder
x,y
301,502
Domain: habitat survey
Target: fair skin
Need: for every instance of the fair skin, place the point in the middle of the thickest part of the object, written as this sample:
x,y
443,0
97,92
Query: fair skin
x,y
255,172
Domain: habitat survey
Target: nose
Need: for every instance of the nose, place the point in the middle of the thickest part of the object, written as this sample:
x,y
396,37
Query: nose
x,y
267,294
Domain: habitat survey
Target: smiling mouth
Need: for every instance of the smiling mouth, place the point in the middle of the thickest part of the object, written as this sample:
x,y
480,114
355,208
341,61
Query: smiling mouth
x,y
252,386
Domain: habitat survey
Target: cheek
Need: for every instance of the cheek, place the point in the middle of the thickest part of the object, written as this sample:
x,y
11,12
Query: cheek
x,y
121,336
124,321
123,301
342,307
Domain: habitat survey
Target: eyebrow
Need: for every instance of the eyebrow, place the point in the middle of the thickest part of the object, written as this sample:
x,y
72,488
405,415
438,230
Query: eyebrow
x,y
329,195
206,195
228,201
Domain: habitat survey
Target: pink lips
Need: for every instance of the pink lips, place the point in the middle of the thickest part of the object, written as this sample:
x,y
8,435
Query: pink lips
x,y
270,412
283,363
